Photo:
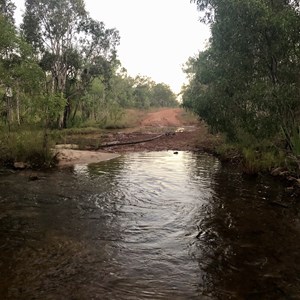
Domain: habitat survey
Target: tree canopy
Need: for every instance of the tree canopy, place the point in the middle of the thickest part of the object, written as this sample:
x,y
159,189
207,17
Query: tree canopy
x,y
74,48
246,83
61,68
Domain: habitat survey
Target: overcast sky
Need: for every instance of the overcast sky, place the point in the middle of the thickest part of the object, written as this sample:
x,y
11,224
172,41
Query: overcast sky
x,y
157,36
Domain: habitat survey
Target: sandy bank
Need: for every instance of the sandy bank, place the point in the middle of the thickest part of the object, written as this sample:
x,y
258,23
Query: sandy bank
x,y
69,157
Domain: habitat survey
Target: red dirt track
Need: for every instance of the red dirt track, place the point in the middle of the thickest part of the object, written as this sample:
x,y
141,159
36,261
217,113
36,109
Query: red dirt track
x,y
164,117
183,132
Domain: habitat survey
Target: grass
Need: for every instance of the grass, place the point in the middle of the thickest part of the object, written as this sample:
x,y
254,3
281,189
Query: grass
x,y
252,156
295,142
30,147
129,119
90,133
228,152
189,118
255,161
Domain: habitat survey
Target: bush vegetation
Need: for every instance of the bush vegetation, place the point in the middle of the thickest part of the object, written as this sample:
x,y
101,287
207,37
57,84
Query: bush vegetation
x,y
246,83
30,147
75,81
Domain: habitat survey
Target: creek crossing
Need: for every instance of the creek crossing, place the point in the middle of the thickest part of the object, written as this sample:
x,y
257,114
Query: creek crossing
x,y
148,225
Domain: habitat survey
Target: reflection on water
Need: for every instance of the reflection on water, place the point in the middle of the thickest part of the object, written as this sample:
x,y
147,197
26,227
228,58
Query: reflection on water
x,y
127,228
248,248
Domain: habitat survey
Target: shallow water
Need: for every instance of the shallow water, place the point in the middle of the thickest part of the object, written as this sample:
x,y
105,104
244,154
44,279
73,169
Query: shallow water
x,y
147,226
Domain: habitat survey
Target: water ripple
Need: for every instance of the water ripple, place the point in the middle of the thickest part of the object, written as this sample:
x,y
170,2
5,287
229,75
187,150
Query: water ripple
x,y
146,226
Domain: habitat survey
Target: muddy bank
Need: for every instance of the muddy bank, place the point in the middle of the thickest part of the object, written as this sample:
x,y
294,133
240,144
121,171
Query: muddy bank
x,y
69,157
191,138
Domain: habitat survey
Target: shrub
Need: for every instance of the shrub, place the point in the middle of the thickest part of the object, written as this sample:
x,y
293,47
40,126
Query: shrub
x,y
32,147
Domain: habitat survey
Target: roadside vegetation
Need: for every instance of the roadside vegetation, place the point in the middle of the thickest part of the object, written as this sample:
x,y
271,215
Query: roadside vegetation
x,y
59,70
246,84
60,76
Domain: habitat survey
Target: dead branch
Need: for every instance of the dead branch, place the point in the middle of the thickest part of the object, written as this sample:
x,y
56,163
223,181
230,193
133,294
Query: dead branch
x,y
117,143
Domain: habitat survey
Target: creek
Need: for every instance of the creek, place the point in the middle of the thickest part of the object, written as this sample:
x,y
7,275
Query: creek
x,y
149,225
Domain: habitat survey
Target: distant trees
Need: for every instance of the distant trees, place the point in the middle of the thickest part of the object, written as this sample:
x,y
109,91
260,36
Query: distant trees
x,y
20,76
161,95
124,92
72,47
246,83
60,68
148,93
7,9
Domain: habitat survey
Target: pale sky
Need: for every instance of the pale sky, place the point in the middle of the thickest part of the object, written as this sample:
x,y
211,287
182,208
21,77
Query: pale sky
x,y
157,36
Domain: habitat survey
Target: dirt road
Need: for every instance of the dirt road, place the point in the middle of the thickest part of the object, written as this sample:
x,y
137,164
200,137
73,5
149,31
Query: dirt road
x,y
165,117
163,129
182,132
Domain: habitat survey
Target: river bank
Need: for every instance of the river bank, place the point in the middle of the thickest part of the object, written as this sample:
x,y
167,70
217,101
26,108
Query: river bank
x,y
157,130
194,138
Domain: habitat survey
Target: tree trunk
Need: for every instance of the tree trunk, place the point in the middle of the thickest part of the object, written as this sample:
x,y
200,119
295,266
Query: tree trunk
x,y
67,112
9,112
75,110
18,107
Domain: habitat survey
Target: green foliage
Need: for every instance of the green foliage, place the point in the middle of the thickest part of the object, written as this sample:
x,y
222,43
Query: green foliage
x,y
74,49
7,9
247,81
115,113
52,106
147,93
25,146
19,74
162,96
262,160
59,70
103,105
253,158
295,141
8,37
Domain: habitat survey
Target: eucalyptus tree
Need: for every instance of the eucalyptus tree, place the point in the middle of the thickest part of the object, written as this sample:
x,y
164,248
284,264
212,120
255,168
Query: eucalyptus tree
x,y
162,96
142,91
7,9
20,76
8,35
72,47
121,88
246,83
